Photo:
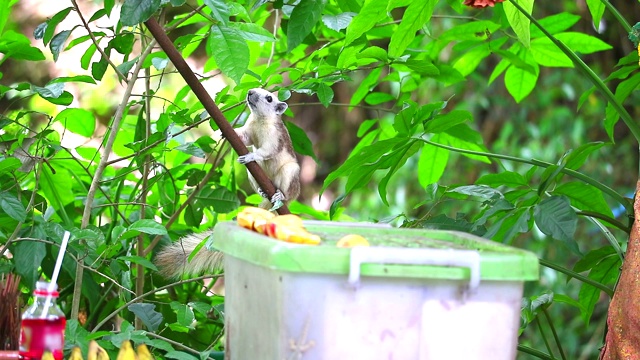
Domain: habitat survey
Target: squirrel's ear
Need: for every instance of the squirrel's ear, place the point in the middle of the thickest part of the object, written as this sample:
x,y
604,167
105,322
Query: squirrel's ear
x,y
281,108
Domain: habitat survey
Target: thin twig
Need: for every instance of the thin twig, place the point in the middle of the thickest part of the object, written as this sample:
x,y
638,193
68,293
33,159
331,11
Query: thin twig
x,y
95,43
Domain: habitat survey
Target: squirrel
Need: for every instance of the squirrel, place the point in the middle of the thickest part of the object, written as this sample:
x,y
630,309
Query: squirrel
x,y
273,151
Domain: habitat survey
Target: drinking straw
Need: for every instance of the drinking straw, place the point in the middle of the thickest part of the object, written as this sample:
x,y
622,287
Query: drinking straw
x,y
56,272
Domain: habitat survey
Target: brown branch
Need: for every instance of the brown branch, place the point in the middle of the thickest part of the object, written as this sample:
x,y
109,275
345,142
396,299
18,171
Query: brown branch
x,y
227,130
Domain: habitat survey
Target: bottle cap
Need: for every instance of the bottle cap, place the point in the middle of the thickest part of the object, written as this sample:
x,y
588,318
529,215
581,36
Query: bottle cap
x,y
42,288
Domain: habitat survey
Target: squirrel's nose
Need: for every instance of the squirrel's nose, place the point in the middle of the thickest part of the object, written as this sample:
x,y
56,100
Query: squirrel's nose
x,y
250,92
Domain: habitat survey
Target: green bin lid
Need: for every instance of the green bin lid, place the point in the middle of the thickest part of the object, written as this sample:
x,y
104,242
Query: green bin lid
x,y
497,261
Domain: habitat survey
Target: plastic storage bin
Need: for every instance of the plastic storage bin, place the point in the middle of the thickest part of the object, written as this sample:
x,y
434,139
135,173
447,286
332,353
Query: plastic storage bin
x,y
414,294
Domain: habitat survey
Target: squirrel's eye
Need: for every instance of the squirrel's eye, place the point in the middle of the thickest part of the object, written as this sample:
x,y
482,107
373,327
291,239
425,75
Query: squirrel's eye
x,y
269,98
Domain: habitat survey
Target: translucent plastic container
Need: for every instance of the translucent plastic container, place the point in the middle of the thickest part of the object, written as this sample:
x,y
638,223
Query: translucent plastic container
x,y
414,294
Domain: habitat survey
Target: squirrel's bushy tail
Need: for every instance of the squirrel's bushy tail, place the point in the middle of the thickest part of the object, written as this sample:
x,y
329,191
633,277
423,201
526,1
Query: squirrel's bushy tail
x,y
173,260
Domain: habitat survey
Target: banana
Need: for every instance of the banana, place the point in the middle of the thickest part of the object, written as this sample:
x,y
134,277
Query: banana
x,y
47,355
96,352
250,217
76,354
352,240
143,352
126,351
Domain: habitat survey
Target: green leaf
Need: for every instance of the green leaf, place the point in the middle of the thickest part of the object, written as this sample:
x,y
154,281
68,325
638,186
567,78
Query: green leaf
x,y
77,78
432,163
221,199
377,98
139,260
520,82
57,187
53,23
85,60
180,355
546,53
12,206
470,60
624,89
325,94
596,8
79,121
219,10
593,257
27,257
300,140
416,15
148,226
134,12
605,272
555,24
505,178
577,157
229,50
9,165
481,191
423,67
555,217
64,99
339,21
123,42
184,314
372,11
518,21
50,90
584,197
18,46
365,86
395,161
356,165
303,18
253,32
461,136
446,121
146,313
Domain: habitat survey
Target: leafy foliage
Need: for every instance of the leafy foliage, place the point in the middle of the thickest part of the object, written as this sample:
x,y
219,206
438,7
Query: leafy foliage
x,y
128,172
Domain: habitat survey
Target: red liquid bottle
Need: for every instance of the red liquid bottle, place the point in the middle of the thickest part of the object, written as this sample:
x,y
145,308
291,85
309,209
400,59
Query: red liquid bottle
x,y
43,325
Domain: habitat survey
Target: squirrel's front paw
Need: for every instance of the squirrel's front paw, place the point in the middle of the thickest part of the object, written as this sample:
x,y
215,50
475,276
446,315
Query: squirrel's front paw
x,y
245,159
277,200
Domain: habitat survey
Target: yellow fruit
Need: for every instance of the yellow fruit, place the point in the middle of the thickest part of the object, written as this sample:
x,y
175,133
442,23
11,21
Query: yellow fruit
x,y
289,220
143,352
47,355
249,216
76,354
96,352
126,351
352,240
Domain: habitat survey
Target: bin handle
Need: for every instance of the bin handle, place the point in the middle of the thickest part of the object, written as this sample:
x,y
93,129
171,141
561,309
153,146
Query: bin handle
x,y
439,257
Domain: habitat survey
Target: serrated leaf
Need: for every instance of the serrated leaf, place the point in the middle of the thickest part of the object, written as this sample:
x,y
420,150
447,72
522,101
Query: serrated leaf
x,y
79,121
229,50
371,12
339,21
12,206
555,217
219,10
134,12
518,21
146,313
303,18
416,15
